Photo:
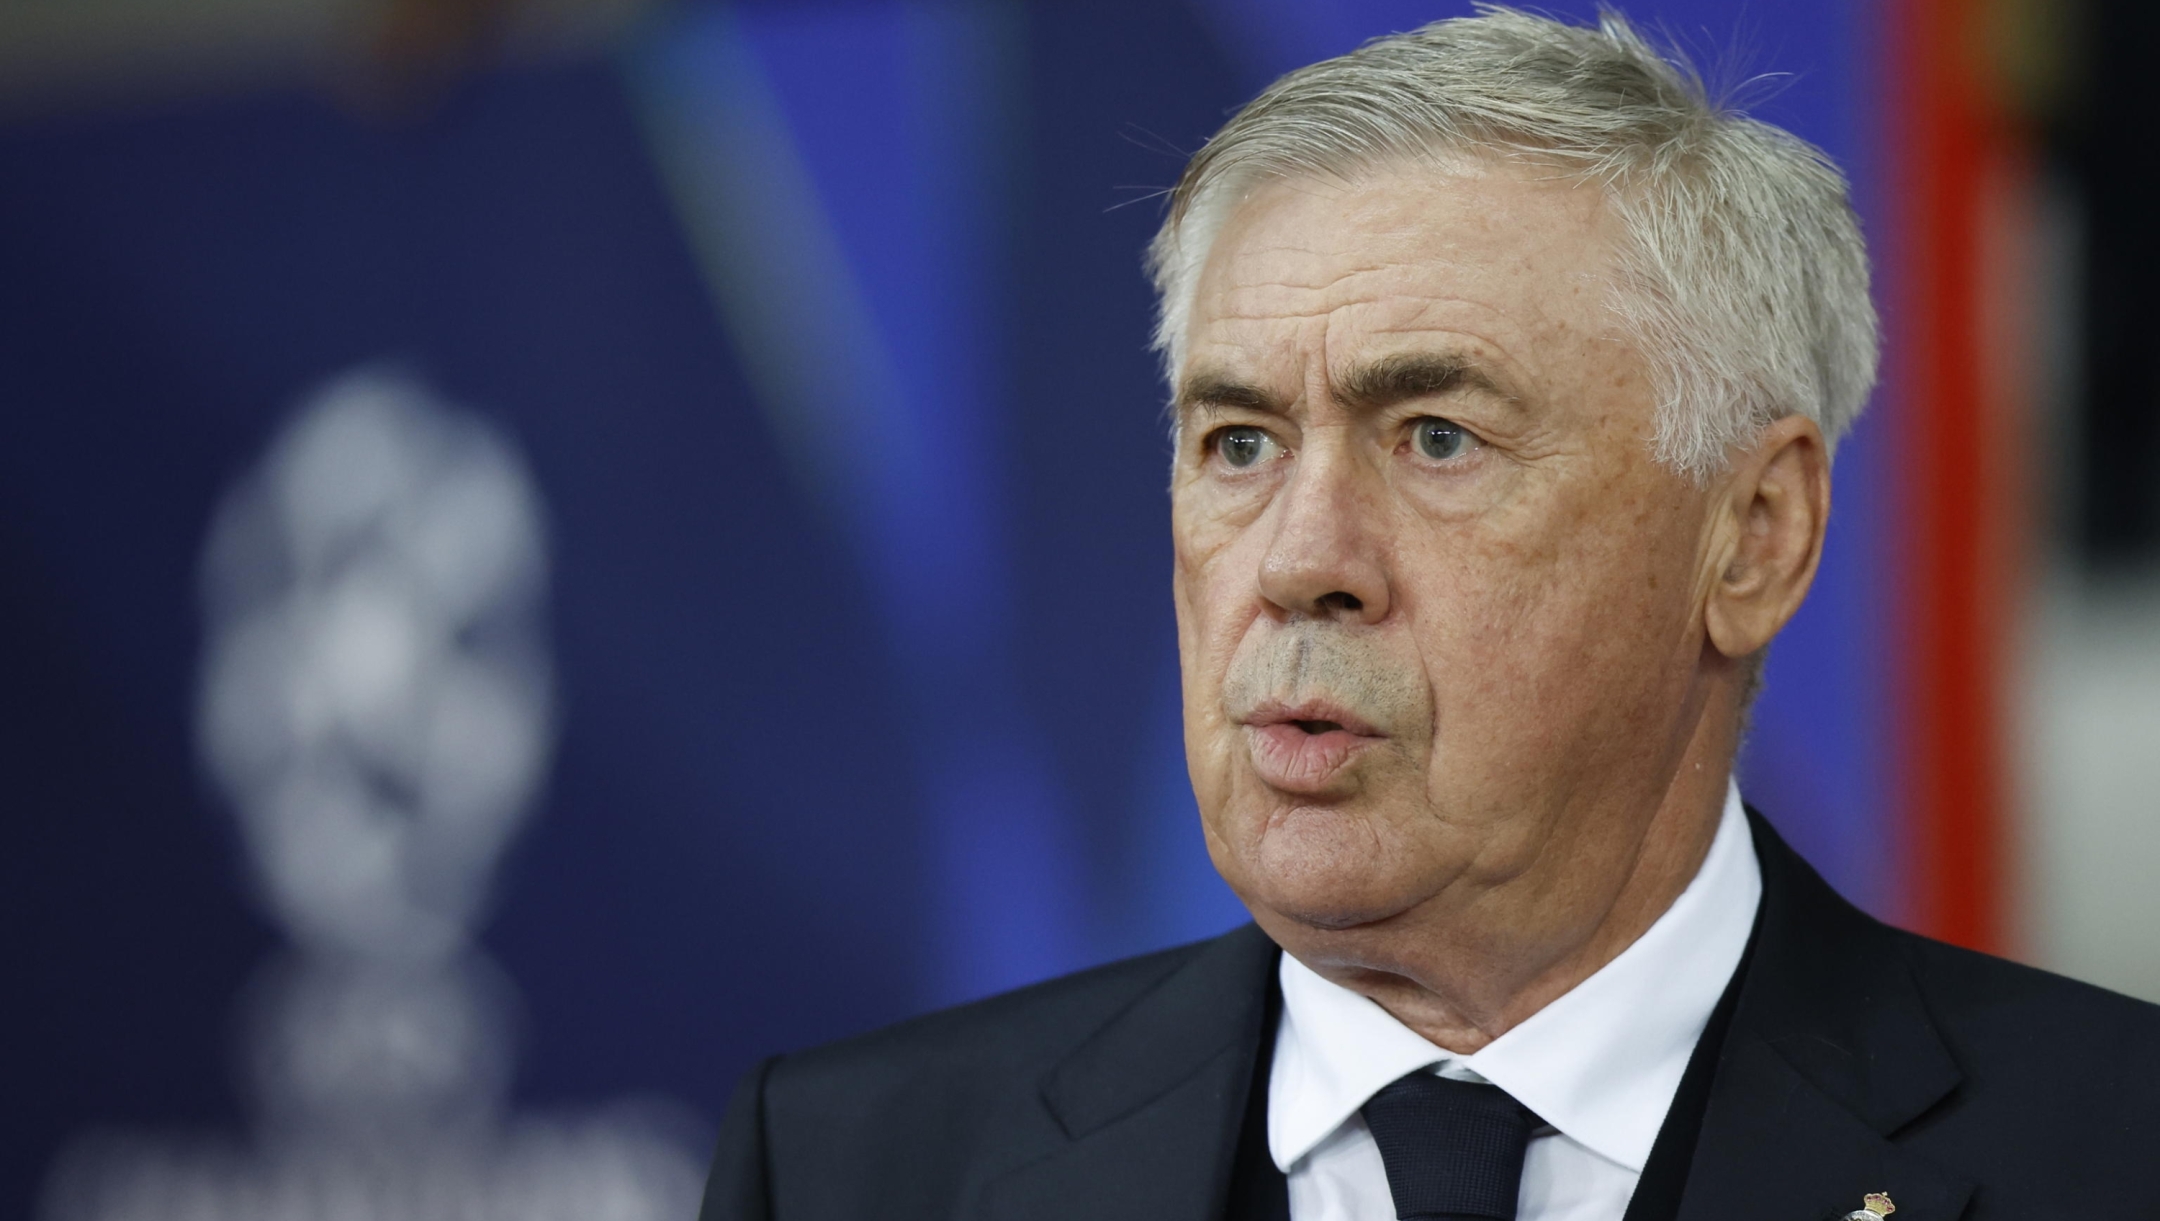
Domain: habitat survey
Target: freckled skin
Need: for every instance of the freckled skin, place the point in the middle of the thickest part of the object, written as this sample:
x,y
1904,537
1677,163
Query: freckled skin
x,y
1548,632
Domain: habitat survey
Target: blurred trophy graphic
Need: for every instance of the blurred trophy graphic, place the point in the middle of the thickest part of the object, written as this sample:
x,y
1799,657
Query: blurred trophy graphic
x,y
376,705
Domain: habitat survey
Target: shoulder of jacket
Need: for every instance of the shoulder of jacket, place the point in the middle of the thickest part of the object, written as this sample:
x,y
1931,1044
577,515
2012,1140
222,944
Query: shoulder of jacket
x,y
1009,1032
1987,1004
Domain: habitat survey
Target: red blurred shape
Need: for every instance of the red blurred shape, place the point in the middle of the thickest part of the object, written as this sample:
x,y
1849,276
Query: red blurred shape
x,y
1960,173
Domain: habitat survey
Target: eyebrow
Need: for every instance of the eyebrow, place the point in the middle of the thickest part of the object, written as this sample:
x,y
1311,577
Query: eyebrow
x,y
1384,382
1415,375
1220,390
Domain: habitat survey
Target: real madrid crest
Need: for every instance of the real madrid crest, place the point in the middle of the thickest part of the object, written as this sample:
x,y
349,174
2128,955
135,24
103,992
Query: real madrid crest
x,y
1874,1207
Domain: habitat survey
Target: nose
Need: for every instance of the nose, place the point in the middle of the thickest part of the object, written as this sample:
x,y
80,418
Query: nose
x,y
1327,557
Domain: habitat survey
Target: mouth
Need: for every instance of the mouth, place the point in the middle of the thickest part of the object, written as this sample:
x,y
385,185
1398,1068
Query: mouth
x,y
1305,748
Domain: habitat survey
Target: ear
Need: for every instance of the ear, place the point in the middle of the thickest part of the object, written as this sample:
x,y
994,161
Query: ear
x,y
1776,507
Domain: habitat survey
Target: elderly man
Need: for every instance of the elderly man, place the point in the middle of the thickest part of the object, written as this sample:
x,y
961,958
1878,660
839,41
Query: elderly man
x,y
1507,370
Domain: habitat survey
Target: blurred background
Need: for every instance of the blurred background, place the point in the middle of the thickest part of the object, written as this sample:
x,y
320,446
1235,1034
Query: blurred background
x,y
551,548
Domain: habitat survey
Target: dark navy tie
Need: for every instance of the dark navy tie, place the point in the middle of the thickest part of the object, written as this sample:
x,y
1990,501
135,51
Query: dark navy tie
x,y
1453,1149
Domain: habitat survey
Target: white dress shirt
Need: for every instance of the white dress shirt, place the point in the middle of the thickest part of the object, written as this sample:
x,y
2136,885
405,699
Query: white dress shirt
x,y
1600,1065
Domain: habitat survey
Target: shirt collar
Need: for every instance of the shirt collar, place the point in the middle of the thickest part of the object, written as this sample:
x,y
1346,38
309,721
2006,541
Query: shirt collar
x,y
1600,1064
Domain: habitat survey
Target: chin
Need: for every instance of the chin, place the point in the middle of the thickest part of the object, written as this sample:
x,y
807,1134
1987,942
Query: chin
x,y
1328,870
1320,918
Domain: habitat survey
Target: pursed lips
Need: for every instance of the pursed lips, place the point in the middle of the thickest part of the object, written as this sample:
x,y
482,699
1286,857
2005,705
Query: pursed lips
x,y
1303,748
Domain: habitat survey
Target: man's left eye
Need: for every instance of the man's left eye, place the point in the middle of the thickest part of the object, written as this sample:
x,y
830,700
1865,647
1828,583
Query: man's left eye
x,y
1441,440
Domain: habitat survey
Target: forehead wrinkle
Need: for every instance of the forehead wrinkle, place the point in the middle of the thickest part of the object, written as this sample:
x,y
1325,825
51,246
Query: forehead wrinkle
x,y
1354,312
1328,281
1315,301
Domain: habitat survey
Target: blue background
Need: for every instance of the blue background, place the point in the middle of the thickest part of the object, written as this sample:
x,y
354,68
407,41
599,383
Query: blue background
x,y
823,328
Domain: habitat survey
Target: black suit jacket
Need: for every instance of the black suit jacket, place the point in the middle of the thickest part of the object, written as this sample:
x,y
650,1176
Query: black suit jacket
x,y
1858,1058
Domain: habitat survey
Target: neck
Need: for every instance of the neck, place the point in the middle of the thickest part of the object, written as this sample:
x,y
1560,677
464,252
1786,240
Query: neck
x,y
1461,973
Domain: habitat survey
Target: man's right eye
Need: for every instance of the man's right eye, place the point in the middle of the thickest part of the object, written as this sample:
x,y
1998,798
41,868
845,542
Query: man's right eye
x,y
1243,447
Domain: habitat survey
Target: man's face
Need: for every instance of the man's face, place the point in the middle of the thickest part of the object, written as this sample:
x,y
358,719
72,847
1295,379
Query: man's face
x,y
1439,609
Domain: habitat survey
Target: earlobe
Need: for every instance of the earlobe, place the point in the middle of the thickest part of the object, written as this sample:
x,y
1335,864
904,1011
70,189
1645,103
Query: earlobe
x,y
1777,507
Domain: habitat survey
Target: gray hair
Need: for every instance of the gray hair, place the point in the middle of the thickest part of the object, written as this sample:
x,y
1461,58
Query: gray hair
x,y
1742,276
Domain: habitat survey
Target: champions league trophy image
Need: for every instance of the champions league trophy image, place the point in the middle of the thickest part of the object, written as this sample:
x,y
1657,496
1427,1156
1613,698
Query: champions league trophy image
x,y
376,706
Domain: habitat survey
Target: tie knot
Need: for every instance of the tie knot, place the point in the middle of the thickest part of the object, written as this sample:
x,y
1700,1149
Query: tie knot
x,y
1453,1149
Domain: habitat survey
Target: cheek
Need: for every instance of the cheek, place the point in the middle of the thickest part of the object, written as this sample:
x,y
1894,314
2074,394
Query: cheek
x,y
1212,605
1215,584
1530,634
1494,650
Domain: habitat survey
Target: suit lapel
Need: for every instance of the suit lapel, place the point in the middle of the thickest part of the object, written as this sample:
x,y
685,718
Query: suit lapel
x,y
1831,1053
1776,1148
1152,1103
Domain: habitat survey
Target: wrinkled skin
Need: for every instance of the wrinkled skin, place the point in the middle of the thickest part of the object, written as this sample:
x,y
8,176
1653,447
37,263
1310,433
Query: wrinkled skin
x,y
1463,663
